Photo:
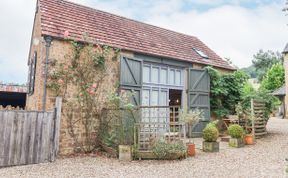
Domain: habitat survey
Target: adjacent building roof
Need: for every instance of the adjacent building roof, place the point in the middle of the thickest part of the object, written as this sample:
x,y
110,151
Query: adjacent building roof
x,y
286,49
13,88
60,16
280,91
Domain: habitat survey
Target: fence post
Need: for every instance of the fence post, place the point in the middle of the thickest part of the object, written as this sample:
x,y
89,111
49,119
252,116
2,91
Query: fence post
x,y
57,119
253,117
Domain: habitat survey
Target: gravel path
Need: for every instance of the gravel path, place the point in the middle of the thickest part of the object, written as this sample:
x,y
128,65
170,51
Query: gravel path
x,y
265,159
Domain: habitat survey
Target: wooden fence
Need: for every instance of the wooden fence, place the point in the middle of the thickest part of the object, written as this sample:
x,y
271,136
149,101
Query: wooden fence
x,y
29,137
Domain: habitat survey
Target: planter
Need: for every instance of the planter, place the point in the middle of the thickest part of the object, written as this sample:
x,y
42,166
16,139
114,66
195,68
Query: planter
x,y
125,153
236,142
190,149
249,139
210,146
150,155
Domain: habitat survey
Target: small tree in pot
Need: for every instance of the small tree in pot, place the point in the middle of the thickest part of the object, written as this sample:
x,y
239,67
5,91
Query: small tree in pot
x,y
191,118
210,136
236,132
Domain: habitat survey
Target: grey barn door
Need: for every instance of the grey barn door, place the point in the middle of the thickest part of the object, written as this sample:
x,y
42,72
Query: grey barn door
x,y
131,78
198,96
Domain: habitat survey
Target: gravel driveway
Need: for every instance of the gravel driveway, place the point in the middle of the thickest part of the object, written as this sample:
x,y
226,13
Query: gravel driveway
x,y
265,159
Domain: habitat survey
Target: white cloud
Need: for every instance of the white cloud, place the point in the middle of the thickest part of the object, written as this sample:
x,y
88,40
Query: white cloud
x,y
16,21
230,29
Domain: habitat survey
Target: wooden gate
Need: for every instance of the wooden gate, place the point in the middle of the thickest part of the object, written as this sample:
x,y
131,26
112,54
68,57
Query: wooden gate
x,y
29,137
198,96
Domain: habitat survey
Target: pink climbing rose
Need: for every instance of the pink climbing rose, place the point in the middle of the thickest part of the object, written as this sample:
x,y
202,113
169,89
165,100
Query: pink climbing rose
x,y
94,85
60,81
66,67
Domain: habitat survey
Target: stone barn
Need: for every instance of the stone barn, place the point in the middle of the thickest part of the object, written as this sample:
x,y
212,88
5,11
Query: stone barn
x,y
161,66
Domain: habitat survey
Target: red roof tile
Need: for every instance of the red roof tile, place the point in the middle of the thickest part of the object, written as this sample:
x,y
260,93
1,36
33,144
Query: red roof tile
x,y
58,16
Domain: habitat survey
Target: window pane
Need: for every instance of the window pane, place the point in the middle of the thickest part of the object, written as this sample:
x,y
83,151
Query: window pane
x,y
163,98
146,74
163,76
155,75
178,78
172,77
163,112
145,97
154,98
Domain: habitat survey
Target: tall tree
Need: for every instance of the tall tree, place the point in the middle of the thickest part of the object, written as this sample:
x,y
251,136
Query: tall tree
x,y
264,60
274,78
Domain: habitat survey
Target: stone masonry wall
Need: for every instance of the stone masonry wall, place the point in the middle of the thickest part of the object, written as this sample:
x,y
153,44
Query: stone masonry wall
x,y
59,52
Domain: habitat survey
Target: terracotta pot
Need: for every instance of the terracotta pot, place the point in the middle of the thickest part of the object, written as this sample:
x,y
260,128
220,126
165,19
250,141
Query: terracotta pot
x,y
190,149
249,140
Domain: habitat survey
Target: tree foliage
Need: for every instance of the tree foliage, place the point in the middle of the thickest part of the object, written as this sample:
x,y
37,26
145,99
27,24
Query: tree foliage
x,y
264,60
225,91
274,78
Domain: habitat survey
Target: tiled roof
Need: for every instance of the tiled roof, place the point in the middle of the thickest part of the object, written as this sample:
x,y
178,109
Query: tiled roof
x,y
58,16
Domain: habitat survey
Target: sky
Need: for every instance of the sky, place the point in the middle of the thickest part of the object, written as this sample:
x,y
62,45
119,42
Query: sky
x,y
234,29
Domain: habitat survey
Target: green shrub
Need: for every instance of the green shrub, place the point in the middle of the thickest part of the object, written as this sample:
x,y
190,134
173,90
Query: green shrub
x,y
210,133
235,131
164,150
213,124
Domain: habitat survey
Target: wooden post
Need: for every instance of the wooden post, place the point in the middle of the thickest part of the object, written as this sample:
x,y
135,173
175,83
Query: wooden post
x,y
57,121
252,118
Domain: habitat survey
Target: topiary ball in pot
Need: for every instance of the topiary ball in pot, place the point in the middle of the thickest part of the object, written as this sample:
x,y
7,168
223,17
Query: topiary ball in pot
x,y
210,134
235,131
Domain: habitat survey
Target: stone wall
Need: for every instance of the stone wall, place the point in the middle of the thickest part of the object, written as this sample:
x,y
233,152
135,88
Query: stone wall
x,y
60,51
34,102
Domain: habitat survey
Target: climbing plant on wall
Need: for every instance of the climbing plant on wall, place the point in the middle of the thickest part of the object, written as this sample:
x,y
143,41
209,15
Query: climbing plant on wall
x,y
225,91
79,80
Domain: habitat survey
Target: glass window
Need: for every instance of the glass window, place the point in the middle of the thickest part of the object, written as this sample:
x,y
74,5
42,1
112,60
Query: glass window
x,y
172,77
155,75
146,74
163,98
145,98
163,76
154,98
178,78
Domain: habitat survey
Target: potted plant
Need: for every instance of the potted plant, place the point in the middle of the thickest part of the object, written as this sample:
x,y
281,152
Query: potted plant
x,y
210,136
249,138
168,151
236,132
191,118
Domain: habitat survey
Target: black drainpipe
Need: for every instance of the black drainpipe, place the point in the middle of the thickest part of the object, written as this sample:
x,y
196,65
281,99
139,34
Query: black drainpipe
x,y
48,40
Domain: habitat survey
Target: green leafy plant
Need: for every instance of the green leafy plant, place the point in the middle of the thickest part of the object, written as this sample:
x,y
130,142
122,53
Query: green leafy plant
x,y
274,78
213,124
225,91
236,131
210,134
191,118
164,150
